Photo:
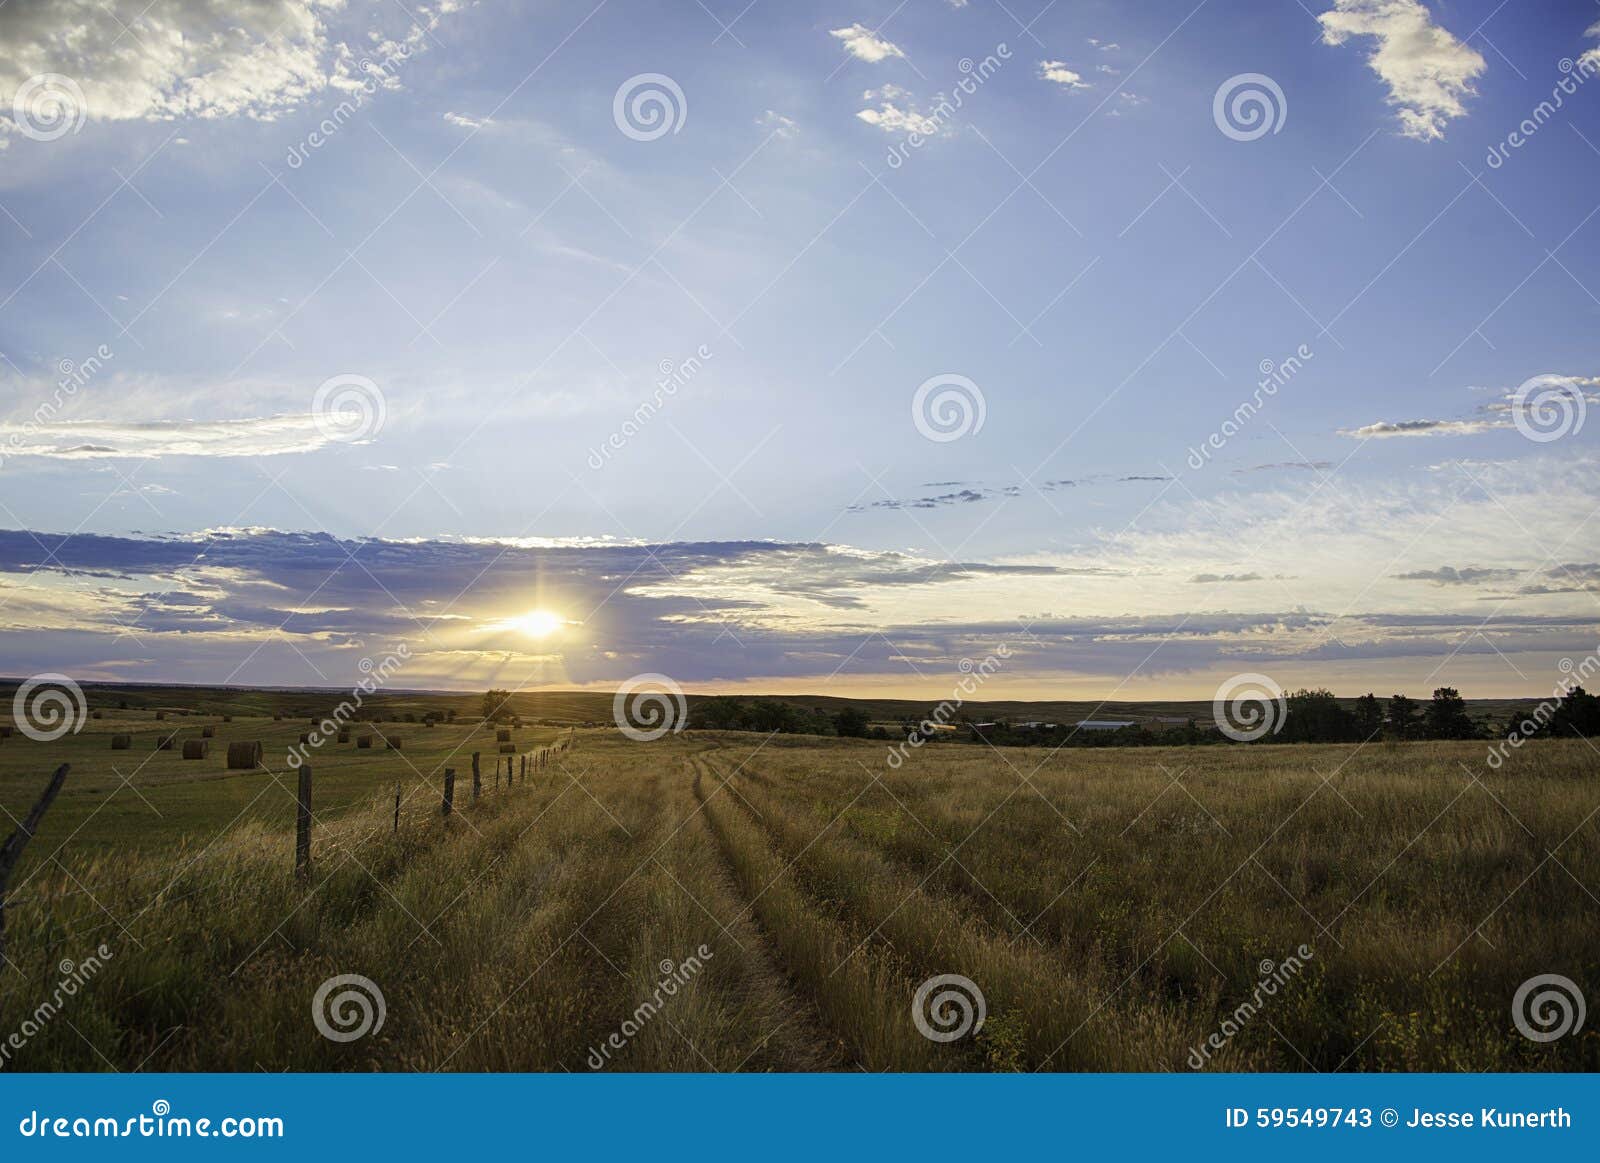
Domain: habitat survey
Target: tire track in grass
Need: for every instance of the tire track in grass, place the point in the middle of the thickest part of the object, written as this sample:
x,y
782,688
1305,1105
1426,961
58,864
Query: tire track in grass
x,y
864,999
782,1030
1042,1012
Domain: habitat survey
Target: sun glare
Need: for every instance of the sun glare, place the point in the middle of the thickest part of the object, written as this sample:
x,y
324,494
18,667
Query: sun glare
x,y
539,623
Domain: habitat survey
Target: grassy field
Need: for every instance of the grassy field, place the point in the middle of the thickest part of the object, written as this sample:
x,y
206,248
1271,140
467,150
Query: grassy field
x,y
732,902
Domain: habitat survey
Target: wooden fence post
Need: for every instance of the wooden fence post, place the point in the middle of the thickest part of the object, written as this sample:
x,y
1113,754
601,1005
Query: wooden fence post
x,y
477,785
302,825
397,807
450,789
11,850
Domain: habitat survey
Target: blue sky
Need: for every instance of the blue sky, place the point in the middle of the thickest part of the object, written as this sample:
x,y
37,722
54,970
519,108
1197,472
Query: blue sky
x,y
236,217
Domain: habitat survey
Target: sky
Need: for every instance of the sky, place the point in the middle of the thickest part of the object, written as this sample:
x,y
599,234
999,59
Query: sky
x,y
828,348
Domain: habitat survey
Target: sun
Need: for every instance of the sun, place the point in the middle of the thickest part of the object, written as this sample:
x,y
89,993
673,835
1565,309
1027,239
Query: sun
x,y
539,623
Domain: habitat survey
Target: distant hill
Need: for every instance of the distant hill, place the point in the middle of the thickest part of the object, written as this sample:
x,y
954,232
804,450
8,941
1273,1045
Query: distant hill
x,y
595,706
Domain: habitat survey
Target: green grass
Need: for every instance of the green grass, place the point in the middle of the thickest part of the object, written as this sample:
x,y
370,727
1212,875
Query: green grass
x,y
1114,907
147,799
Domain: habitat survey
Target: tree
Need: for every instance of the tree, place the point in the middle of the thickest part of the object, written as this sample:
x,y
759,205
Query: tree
x,y
1447,716
494,705
1404,716
1577,714
1369,716
852,721
1316,717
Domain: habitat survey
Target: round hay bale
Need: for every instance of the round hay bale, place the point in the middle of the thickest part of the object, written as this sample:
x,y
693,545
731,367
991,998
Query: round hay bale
x,y
244,755
508,749
344,734
165,742
5,732
121,742
227,718
160,715
363,741
502,736
195,748
96,714
392,743
208,732
305,736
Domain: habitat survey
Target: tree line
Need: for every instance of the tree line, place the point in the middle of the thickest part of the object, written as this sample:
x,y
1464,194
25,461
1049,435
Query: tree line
x,y
1307,716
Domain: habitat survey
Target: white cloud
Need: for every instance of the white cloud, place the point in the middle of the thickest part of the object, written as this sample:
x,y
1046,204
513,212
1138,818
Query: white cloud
x,y
1429,72
778,124
199,58
462,121
1058,72
1386,428
897,112
149,439
860,41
